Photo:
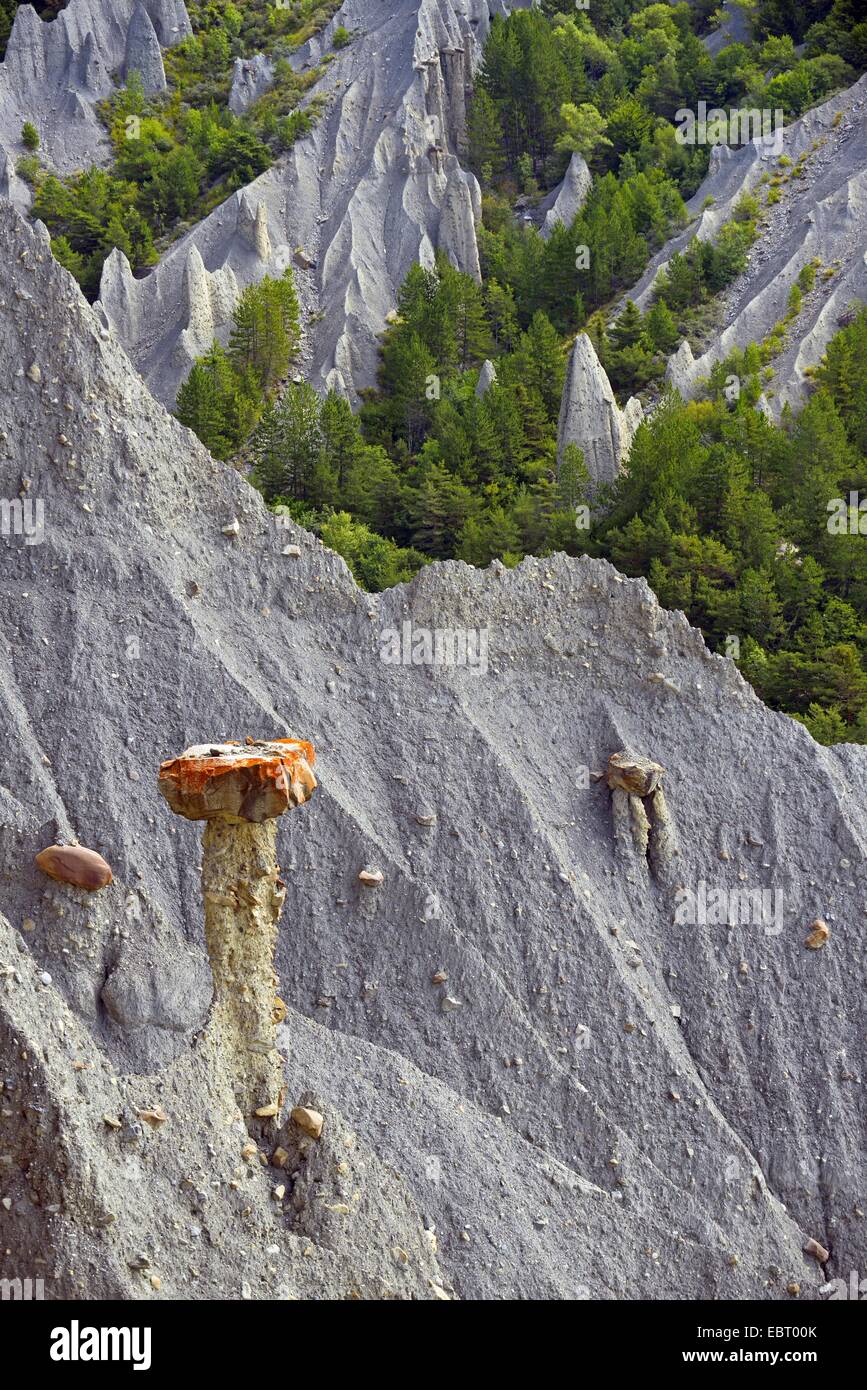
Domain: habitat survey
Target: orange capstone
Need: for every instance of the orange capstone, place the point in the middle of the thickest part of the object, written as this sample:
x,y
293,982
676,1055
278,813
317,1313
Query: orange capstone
x,y
74,864
251,782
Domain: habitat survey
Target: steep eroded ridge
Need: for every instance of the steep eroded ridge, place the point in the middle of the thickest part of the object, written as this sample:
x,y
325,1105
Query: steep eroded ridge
x,y
608,1100
376,187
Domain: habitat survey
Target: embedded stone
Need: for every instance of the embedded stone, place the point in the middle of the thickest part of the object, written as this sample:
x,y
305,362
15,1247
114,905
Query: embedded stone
x,y
818,935
74,864
309,1120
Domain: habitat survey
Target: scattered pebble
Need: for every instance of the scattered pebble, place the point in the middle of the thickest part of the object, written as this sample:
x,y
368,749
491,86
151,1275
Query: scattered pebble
x,y
371,877
155,1116
309,1120
818,935
818,1251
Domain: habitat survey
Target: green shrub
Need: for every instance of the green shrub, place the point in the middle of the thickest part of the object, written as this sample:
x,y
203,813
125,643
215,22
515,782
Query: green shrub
x,y
746,208
807,277
28,168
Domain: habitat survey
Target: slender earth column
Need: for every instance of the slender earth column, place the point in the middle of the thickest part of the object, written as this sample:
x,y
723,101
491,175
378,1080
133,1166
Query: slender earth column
x,y
643,826
239,790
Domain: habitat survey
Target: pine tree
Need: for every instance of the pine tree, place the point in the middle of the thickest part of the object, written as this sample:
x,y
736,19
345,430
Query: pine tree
x,y
502,408
287,446
488,536
201,407
406,371
415,296
441,507
826,726
485,134
266,329
628,329
341,437
61,249
661,328
502,314
597,331
472,332
681,285
583,130
559,277
544,368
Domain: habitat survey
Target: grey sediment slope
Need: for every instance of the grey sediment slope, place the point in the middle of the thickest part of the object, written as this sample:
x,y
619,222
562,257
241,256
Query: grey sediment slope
x,y
376,187
53,74
622,1106
821,215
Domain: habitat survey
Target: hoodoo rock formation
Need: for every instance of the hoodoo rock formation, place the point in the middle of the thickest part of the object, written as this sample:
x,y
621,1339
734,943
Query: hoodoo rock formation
x,y
643,827
376,187
542,1082
379,184
143,53
591,418
563,203
251,77
239,790
54,73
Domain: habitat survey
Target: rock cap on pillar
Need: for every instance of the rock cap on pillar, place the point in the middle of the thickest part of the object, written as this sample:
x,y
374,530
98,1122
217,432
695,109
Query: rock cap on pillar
x,y
633,774
252,781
